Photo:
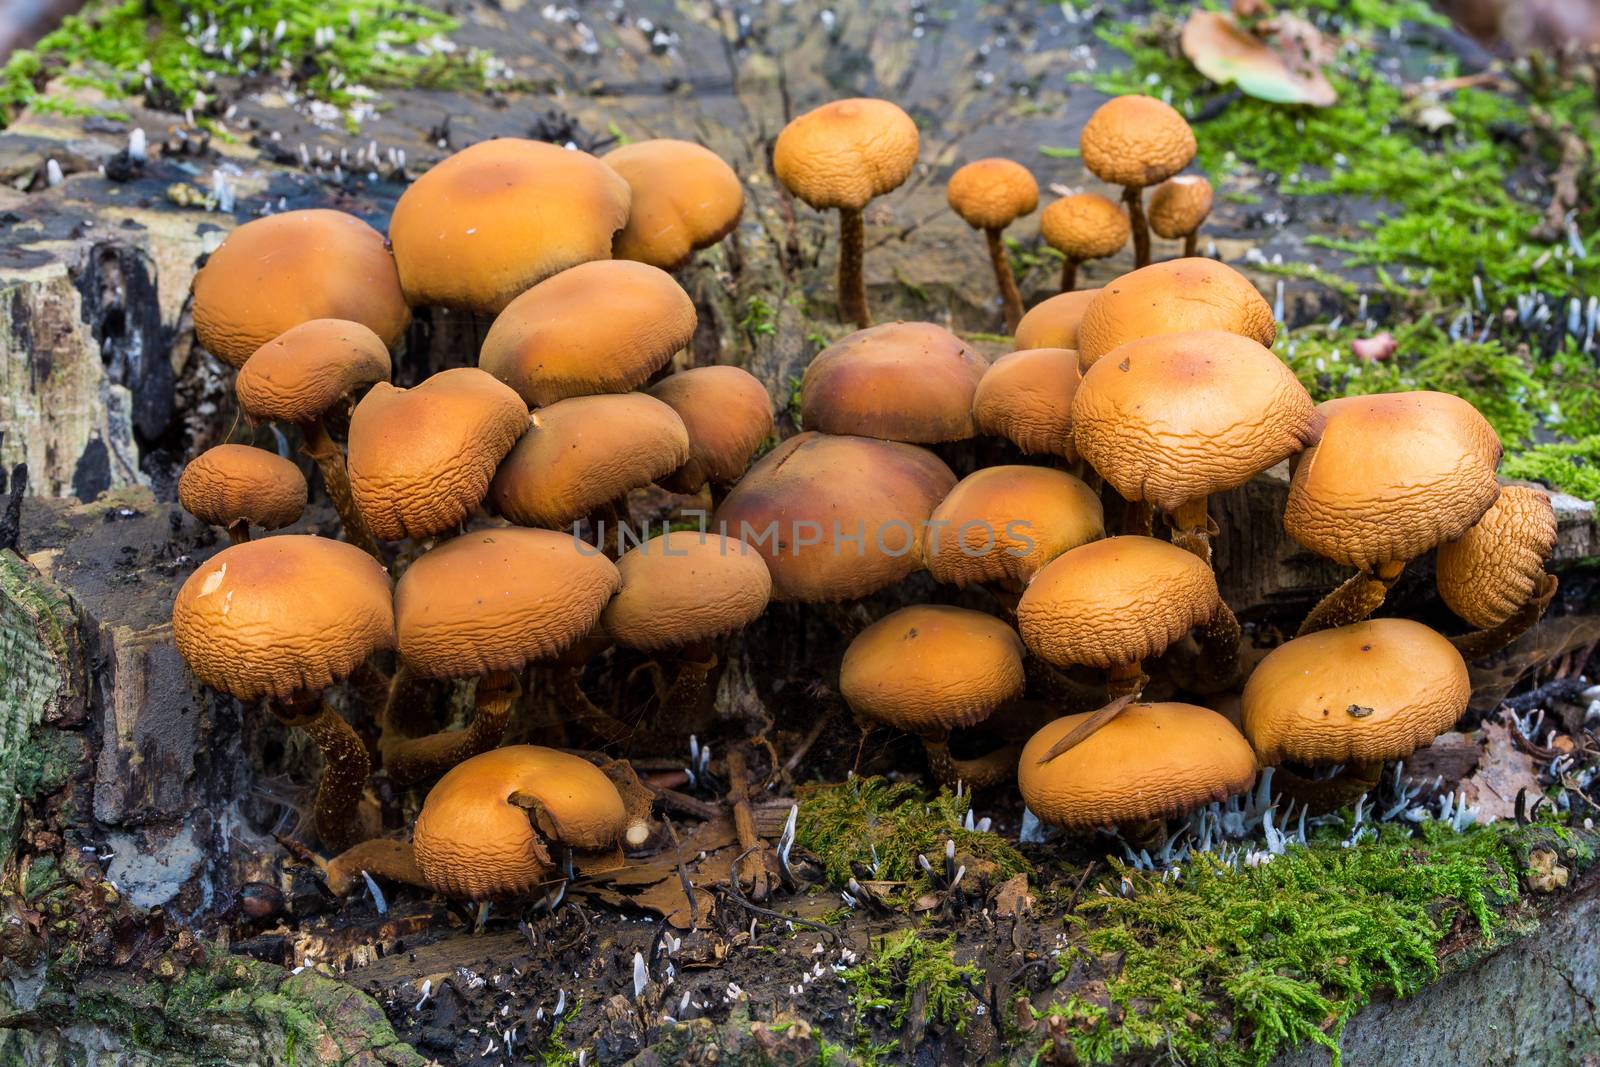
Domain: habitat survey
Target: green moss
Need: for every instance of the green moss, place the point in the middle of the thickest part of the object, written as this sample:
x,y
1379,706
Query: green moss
x,y
760,318
906,968
1572,467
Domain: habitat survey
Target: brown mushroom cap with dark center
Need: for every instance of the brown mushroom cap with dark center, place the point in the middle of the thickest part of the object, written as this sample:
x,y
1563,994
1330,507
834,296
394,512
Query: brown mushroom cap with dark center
x,y
1026,397
685,198
1003,524
1492,570
1053,323
277,272
600,327
684,587
500,216
1179,205
421,458
728,415
304,372
902,381
232,484
1175,296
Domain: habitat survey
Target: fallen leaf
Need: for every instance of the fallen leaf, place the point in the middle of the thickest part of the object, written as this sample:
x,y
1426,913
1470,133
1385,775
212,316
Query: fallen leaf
x,y
1013,898
1504,771
1375,349
1284,67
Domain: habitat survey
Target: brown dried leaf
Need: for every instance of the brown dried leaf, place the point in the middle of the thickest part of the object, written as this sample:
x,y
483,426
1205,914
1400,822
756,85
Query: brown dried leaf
x,y
1284,66
1504,770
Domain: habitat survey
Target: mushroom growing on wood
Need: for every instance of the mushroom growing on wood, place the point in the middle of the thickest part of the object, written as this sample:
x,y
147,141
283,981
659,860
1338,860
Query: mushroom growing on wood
x,y
1082,227
727,414
902,381
685,198
237,486
989,195
1178,207
1053,323
1136,142
1026,397
1173,297
1493,575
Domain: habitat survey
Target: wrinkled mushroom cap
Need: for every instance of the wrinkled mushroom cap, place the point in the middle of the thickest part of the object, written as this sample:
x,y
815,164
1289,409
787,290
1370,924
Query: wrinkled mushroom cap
x,y
1002,524
585,452
1026,397
1136,141
282,616
233,483
685,198
276,272
684,587
1115,602
496,600
1493,569
727,414
843,154
1446,410
1053,323
836,518
600,327
1085,226
928,669
304,371
1153,761
1378,690
1175,296
991,194
1389,478
1177,417
901,381
421,458
471,842
1179,205
500,216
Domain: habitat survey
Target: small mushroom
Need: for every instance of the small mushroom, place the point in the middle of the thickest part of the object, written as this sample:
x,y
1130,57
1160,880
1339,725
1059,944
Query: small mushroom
x,y
1026,397
236,486
1177,296
991,194
685,198
1082,227
1136,142
1053,323
902,381
842,155
1178,207
1493,575
728,415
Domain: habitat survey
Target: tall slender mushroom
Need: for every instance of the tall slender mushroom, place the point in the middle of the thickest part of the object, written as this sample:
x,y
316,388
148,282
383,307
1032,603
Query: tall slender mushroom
x,y
1493,575
685,198
1053,323
1026,397
1176,296
1082,227
989,195
842,155
902,381
1178,207
1135,142
237,486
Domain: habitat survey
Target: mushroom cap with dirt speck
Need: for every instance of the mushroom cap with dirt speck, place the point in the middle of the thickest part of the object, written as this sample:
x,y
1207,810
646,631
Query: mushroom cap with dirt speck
x,y
238,483
303,372
901,381
1174,296
583,453
684,587
728,415
1153,761
499,217
421,458
1373,691
276,272
685,198
836,518
497,600
1085,226
1488,573
844,153
1448,411
601,327
931,668
1179,205
1136,141
1026,397
1389,479
283,615
1053,323
1180,416
991,194
471,842
1114,602
1003,524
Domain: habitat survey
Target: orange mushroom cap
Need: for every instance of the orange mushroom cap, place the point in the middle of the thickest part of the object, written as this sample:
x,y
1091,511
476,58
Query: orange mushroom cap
x,y
1179,205
1002,524
1493,569
1175,296
238,483
1136,141
1026,397
901,381
1085,226
1053,323
685,198
991,194
727,414
303,372
844,153
683,587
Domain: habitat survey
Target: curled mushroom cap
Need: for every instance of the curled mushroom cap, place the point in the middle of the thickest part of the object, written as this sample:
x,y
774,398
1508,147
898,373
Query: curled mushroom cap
x,y
1002,524
282,616
683,587
421,458
929,668
601,327
1177,417
304,371
843,154
1026,397
727,414
836,518
1449,412
496,600
276,272
991,194
1174,297
1179,205
585,452
685,198
1136,141
1375,691
1053,323
1085,226
1389,479
902,381
472,842
1153,761
236,483
1115,601
500,216
1492,570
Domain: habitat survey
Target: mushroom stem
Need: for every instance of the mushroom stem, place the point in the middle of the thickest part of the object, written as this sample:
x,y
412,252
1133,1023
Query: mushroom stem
x,y
1192,528
1483,643
1010,298
1353,601
408,709
1148,834
336,808
1126,680
991,769
1087,728
852,278
1323,795
744,825
239,532
579,709
681,699
382,857
409,760
330,460
1191,243
1133,196
1069,274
